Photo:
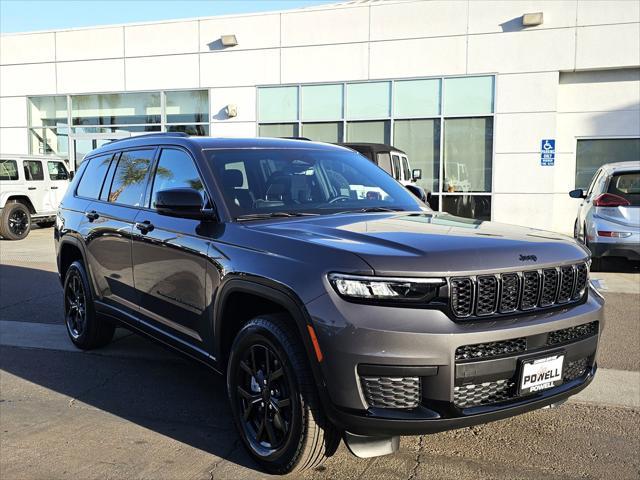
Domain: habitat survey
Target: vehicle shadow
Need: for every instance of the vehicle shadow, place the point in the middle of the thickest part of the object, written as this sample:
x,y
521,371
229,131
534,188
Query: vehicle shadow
x,y
619,265
134,379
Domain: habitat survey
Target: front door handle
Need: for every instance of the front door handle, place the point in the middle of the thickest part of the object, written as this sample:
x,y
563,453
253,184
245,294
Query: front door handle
x,y
31,188
92,215
54,188
144,227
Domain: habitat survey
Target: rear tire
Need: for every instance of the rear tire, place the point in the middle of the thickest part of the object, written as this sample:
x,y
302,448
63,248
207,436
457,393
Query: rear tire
x,y
274,400
86,329
15,221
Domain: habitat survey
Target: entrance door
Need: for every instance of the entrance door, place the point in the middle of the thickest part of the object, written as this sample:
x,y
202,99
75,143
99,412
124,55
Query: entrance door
x,y
82,143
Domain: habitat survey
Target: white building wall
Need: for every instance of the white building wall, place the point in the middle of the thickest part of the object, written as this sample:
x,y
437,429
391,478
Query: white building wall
x,y
550,81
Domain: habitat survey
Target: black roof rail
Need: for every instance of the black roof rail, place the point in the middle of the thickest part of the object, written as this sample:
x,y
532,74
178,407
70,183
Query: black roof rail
x,y
155,134
296,138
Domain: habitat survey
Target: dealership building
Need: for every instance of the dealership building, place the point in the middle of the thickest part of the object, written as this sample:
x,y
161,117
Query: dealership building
x,y
505,106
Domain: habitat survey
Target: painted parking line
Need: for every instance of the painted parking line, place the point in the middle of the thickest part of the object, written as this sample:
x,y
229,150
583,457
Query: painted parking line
x,y
610,387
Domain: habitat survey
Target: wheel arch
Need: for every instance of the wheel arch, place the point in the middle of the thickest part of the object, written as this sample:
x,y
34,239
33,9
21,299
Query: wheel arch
x,y
69,250
263,292
17,197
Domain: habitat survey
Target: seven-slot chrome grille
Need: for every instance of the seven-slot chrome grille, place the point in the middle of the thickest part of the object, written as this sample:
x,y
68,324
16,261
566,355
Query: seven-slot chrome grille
x,y
486,295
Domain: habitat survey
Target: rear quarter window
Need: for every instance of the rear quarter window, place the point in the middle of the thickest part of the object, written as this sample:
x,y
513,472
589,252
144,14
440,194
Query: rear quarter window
x,y
8,170
627,186
93,177
33,170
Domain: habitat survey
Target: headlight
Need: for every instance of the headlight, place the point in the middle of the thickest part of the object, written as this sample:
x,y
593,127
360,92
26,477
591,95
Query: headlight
x,y
388,290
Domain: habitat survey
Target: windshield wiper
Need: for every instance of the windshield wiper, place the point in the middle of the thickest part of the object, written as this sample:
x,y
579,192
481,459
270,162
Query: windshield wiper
x,y
262,216
371,209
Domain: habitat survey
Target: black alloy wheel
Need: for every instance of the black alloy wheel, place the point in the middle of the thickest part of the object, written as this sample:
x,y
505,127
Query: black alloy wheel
x,y
86,329
264,399
15,221
75,306
274,399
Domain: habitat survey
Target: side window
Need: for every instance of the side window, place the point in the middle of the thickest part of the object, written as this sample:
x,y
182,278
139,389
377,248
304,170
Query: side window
x,y
594,182
405,168
384,162
33,170
57,171
396,166
93,176
175,170
8,170
130,177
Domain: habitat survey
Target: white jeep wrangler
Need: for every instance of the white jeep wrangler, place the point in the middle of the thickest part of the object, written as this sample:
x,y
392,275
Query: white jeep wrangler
x,y
31,188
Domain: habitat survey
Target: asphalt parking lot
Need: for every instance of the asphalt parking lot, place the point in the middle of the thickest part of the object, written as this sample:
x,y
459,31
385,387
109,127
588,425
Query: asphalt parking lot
x,y
134,410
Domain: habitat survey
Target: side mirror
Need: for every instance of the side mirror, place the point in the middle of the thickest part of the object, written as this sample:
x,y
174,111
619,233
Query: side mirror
x,y
578,193
416,174
179,202
71,174
418,192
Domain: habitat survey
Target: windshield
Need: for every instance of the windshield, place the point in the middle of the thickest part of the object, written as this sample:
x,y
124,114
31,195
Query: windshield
x,y
627,186
305,181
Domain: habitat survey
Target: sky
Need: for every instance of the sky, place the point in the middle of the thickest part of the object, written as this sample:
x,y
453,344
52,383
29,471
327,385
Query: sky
x,y
30,15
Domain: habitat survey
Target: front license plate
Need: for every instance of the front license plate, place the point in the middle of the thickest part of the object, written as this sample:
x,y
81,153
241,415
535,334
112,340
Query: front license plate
x,y
541,373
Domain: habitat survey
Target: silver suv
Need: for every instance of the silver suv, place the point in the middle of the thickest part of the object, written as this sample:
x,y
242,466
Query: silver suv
x,y
608,219
31,188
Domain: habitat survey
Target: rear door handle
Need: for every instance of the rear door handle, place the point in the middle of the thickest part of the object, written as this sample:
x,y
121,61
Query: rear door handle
x,y
31,188
54,188
92,215
144,227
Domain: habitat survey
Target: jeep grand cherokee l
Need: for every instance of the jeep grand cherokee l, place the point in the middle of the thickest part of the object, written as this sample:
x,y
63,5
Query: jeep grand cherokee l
x,y
335,302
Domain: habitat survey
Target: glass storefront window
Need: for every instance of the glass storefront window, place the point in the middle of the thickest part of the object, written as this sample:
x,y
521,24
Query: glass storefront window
x,y
373,132
330,132
187,106
277,104
591,154
420,139
322,102
47,111
49,141
417,98
468,153
469,206
196,130
278,130
368,100
468,95
116,109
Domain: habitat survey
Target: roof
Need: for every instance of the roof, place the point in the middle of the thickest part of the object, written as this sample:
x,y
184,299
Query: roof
x,y
372,147
207,143
622,166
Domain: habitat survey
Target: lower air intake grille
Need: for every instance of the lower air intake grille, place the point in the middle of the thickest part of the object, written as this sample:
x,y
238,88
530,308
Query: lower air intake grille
x,y
575,369
483,393
572,334
391,392
481,351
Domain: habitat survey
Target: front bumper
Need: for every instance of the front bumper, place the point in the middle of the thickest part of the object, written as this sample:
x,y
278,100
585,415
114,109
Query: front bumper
x,y
427,340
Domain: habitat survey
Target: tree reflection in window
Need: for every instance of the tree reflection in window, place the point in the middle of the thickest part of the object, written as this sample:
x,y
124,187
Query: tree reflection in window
x,y
130,177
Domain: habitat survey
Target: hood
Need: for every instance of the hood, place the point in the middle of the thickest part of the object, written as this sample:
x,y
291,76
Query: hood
x,y
434,243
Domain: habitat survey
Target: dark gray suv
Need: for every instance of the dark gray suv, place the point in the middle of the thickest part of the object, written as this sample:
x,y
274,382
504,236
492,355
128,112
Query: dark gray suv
x,y
336,303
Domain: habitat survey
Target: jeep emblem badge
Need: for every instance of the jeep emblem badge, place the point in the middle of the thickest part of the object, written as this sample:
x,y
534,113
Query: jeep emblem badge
x,y
527,258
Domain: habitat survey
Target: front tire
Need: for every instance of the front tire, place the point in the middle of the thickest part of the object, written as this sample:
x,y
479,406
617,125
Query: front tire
x,y
86,330
15,221
274,400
